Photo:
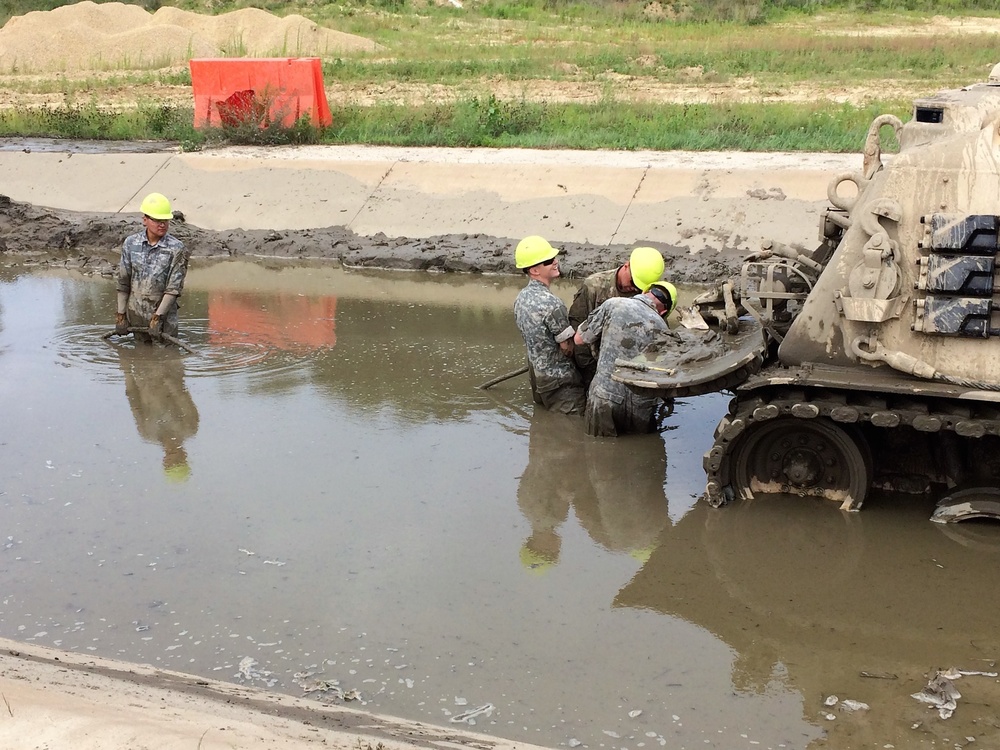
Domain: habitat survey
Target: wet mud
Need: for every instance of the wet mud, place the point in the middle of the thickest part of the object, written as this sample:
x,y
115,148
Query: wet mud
x,y
91,241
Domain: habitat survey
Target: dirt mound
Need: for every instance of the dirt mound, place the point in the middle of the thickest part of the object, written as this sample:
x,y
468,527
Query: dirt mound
x,y
115,36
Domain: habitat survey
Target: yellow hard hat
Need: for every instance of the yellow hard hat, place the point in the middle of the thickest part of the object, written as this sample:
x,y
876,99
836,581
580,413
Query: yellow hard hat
x,y
671,290
533,250
156,206
646,266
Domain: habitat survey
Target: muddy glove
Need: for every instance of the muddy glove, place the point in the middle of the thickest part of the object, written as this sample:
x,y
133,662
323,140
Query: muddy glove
x,y
121,324
156,327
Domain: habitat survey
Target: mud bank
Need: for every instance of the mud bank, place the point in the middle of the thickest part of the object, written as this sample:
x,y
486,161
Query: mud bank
x,y
56,700
91,241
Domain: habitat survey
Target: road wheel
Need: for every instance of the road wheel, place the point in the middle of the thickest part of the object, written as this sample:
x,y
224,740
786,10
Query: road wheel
x,y
806,457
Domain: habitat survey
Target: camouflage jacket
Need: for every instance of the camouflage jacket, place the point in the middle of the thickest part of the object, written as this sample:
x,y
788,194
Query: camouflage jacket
x,y
595,289
624,327
541,317
147,272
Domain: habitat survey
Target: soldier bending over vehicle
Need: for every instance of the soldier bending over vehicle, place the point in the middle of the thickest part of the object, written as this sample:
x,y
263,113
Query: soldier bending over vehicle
x,y
624,326
644,266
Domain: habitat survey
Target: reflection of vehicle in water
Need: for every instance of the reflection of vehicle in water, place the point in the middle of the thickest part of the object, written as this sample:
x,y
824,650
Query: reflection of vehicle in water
x,y
614,486
819,601
164,411
880,353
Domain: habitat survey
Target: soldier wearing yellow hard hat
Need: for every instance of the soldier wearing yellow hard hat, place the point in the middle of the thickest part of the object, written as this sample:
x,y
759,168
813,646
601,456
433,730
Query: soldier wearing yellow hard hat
x,y
644,266
624,327
151,274
544,324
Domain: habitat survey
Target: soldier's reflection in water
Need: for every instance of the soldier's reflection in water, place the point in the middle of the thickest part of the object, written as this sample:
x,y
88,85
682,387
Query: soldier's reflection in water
x,y
549,484
627,507
614,486
164,411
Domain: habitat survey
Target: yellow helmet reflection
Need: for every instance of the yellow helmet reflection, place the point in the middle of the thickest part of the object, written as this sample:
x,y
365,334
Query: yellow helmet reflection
x,y
177,473
536,562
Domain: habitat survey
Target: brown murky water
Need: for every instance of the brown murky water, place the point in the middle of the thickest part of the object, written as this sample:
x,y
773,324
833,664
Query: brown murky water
x,y
321,489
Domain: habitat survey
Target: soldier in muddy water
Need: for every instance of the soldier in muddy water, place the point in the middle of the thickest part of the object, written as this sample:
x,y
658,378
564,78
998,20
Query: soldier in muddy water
x,y
151,275
644,266
543,321
624,326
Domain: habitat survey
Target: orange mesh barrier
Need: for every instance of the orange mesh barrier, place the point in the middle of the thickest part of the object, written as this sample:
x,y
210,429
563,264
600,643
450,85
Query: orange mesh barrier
x,y
236,91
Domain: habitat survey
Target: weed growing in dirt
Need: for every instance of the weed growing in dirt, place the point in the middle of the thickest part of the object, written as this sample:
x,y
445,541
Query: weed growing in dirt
x,y
495,118
302,131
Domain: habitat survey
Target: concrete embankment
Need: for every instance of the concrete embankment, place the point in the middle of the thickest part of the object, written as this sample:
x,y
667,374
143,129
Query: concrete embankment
x,y
695,201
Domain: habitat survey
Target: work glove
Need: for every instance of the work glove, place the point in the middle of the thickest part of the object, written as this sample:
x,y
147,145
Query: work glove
x,y
156,327
121,324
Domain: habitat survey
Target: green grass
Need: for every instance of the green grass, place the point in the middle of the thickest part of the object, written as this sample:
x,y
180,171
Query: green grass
x,y
488,122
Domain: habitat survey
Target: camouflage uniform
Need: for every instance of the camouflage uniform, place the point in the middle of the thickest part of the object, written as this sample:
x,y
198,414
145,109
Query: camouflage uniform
x,y
595,289
147,272
543,322
625,326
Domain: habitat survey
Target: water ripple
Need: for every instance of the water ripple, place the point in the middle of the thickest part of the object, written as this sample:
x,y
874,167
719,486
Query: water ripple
x,y
215,354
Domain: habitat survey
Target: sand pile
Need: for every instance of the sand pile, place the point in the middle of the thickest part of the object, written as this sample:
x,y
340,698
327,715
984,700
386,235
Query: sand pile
x,y
115,36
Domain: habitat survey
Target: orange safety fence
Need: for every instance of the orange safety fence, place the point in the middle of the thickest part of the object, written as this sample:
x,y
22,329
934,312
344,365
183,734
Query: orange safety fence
x,y
259,91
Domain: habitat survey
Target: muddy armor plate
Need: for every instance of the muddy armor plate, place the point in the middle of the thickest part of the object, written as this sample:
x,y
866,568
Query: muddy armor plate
x,y
684,362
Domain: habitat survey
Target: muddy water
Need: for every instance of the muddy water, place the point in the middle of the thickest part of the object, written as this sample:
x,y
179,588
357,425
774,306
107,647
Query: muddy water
x,y
321,489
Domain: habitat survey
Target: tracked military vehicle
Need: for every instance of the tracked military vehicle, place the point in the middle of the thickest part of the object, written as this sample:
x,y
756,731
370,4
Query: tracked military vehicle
x,y
873,360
